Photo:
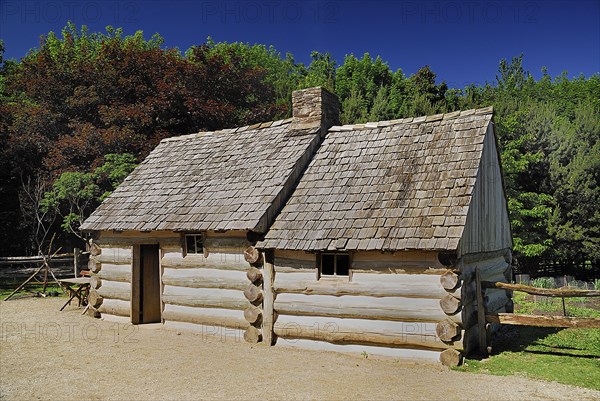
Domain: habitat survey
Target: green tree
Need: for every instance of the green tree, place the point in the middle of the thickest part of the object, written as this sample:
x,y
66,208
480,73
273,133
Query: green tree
x,y
74,194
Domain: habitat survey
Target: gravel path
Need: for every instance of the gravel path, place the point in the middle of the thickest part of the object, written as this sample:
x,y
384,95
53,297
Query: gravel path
x,y
47,354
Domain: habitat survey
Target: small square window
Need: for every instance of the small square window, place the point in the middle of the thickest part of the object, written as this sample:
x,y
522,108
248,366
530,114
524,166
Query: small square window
x,y
194,243
335,264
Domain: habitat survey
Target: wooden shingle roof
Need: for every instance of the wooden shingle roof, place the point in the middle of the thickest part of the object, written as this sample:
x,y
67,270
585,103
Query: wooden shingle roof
x,y
223,180
394,185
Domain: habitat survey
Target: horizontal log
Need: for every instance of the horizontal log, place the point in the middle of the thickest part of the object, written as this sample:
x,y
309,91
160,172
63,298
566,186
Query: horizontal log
x,y
226,244
292,265
205,278
222,261
362,307
206,316
397,260
115,256
204,297
115,307
115,290
362,284
164,241
547,292
112,272
544,321
421,355
361,331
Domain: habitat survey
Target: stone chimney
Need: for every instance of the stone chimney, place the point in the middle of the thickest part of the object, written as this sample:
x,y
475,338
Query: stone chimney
x,y
315,107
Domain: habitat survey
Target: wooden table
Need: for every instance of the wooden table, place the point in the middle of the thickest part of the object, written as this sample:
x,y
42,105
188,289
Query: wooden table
x,y
77,288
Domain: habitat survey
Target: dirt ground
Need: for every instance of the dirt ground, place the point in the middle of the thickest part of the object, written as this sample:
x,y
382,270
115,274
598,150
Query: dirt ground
x,y
47,354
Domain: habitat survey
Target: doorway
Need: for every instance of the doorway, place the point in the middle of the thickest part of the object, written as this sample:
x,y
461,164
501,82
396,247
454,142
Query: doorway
x,y
146,305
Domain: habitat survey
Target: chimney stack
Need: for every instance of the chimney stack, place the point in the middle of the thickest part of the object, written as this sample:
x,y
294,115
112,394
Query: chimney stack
x,y
315,107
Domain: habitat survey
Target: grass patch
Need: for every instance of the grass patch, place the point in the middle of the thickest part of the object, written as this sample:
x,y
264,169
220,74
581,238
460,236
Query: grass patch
x,y
30,291
568,356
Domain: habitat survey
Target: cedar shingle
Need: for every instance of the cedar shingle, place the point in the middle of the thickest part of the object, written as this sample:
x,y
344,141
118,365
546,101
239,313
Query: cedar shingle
x,y
406,185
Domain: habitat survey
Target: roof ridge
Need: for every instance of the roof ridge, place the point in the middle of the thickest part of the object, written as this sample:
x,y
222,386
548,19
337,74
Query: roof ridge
x,y
224,131
414,120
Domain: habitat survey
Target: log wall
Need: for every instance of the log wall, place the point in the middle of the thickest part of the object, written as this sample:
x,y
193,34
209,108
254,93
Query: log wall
x,y
196,289
206,291
110,263
393,303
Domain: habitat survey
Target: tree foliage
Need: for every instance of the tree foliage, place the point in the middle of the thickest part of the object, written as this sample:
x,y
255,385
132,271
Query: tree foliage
x,y
84,108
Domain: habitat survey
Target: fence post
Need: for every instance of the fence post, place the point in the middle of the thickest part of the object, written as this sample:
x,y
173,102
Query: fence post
x,y
76,254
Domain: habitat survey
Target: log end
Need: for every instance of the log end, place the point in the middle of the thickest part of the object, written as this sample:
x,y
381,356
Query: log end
x,y
254,275
451,357
253,294
94,299
95,282
450,305
447,330
449,280
93,312
253,315
252,335
251,255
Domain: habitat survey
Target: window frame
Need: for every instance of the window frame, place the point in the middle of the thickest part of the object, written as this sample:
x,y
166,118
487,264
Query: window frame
x,y
335,275
185,243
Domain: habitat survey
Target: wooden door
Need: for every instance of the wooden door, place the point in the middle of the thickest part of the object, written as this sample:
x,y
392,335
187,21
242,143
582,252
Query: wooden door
x,y
149,279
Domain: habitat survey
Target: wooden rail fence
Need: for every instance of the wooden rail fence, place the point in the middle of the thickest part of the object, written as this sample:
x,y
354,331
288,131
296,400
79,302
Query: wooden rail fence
x,y
530,320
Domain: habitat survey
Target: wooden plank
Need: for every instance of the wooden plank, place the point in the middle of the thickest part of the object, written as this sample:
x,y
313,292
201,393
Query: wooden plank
x,y
223,261
206,316
269,298
112,272
362,331
421,355
205,297
362,307
115,290
375,285
544,321
547,292
487,225
205,278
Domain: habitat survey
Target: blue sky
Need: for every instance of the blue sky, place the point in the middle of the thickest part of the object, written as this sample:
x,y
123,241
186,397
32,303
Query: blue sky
x,y
462,41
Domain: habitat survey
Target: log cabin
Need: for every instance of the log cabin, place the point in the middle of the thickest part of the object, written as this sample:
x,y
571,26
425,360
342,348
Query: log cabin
x,y
167,245
305,233
380,246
